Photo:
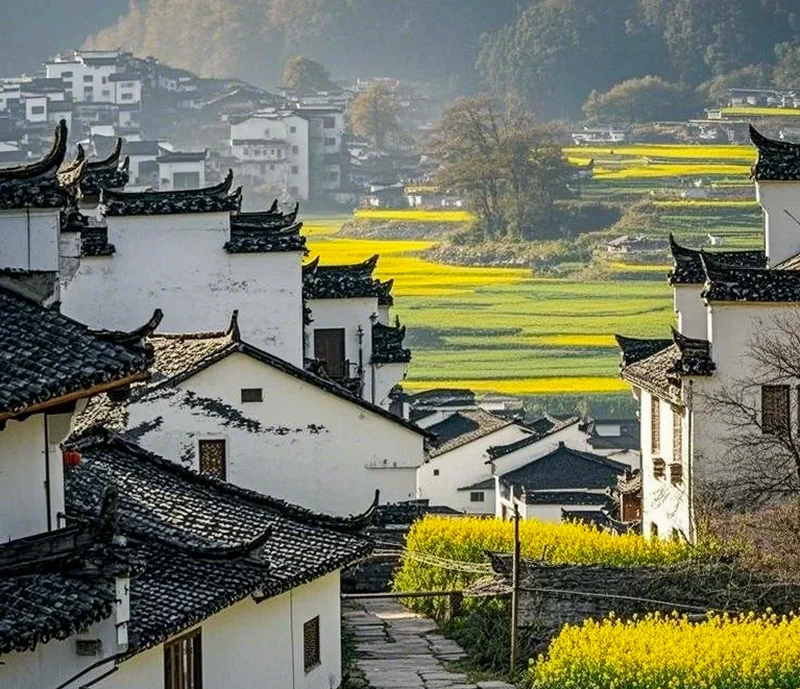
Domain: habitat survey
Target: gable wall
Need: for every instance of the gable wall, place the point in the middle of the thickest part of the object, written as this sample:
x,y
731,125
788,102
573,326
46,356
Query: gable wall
x,y
251,645
312,447
178,263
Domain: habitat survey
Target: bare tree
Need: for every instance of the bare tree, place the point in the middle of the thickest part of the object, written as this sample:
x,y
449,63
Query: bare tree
x,y
762,442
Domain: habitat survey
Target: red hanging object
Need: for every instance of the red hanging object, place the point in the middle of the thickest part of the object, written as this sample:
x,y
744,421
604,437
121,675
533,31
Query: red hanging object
x,y
72,458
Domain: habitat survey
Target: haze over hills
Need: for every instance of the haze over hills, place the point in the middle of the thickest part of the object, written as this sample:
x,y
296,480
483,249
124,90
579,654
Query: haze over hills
x,y
32,30
553,53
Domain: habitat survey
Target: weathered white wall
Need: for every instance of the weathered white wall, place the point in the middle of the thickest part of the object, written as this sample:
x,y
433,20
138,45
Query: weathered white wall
x,y
29,239
23,500
167,171
691,311
312,447
462,466
252,646
53,664
383,378
349,314
178,263
781,204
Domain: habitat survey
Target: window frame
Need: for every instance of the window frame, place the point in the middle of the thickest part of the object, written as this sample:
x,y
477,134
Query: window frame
x,y
773,426
312,653
210,441
477,496
256,395
177,677
655,425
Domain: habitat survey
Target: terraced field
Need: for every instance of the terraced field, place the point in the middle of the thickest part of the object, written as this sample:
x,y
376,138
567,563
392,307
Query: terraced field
x,y
496,329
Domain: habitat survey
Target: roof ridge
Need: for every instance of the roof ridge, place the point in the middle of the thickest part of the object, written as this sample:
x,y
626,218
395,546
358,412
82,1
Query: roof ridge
x,y
283,507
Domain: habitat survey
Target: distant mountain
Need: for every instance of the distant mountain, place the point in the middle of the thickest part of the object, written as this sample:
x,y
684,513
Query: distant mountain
x,y
33,30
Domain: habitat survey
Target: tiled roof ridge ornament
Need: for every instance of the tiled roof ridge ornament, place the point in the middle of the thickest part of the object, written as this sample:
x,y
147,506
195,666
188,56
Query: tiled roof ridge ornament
x,y
233,329
48,164
70,165
221,189
387,343
777,160
636,349
132,337
688,268
350,524
109,163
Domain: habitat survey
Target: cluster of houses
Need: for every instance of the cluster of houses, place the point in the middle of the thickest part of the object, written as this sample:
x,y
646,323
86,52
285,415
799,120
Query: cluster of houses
x,y
288,144
715,406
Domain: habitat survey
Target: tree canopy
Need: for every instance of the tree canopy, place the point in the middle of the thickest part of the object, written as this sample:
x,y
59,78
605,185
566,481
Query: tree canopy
x,y
640,100
304,75
510,169
375,114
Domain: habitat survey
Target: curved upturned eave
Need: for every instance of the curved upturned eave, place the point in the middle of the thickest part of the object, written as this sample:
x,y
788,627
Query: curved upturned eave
x,y
49,164
221,189
109,163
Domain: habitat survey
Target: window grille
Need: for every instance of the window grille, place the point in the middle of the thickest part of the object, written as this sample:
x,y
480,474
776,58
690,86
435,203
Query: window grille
x,y
774,409
677,436
476,496
212,458
675,473
659,467
183,662
252,395
311,650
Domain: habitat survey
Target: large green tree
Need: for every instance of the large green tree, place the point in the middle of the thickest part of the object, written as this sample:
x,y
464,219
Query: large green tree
x,y
304,75
640,100
510,169
375,114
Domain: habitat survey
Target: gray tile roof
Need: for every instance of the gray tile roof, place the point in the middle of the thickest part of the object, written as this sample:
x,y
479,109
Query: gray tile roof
x,y
687,264
777,160
749,284
177,357
54,585
465,427
45,355
345,282
215,199
106,173
42,184
661,372
203,544
551,426
564,469
387,344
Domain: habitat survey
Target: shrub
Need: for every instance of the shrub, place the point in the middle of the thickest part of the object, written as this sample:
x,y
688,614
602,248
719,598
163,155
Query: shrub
x,y
744,652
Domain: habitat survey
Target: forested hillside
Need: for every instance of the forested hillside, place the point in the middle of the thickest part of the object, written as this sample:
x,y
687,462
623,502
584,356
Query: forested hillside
x,y
32,30
554,53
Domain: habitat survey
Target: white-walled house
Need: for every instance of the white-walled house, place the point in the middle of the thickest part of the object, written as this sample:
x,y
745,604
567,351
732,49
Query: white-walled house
x,y
179,250
456,474
348,333
228,409
724,301
181,170
563,479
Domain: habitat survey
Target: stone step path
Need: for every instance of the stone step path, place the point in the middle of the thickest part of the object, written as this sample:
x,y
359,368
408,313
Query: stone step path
x,y
398,649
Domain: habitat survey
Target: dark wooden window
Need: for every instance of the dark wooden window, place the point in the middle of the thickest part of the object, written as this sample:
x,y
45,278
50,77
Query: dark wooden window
x,y
774,409
252,394
212,458
653,530
659,467
435,472
183,662
676,473
677,436
476,496
655,425
311,650
329,350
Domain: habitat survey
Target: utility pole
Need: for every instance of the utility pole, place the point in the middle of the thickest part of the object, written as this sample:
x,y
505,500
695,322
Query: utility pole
x,y
514,594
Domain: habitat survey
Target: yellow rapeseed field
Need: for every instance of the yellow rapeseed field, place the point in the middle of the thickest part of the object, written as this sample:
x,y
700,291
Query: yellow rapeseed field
x,y
528,386
677,151
575,340
413,215
646,170
657,652
706,203
746,111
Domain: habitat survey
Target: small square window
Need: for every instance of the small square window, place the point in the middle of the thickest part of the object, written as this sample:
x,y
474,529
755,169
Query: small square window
x,y
476,496
435,472
328,122
88,78
311,646
252,394
295,169
295,149
293,130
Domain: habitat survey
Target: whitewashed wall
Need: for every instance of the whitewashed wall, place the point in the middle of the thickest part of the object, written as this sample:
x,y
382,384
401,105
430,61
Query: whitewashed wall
x,y
29,239
178,263
312,447
53,664
463,466
167,171
252,646
781,204
383,379
691,311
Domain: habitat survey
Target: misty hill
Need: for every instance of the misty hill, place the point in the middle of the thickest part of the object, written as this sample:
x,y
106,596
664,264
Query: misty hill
x,y
32,30
554,53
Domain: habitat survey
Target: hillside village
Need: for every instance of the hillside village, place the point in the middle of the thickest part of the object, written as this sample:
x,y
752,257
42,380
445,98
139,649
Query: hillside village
x,y
203,426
